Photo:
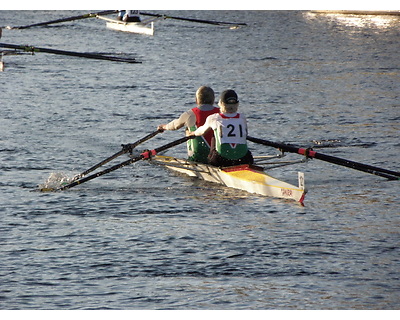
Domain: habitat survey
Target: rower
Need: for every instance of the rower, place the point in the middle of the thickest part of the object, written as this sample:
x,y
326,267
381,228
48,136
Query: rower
x,y
229,146
198,148
132,16
121,14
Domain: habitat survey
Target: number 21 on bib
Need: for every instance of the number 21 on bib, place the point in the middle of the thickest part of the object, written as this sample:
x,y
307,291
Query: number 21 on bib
x,y
233,131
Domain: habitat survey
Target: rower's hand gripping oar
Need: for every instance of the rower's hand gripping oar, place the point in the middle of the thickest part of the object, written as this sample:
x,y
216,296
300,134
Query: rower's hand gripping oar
x,y
144,155
389,174
125,149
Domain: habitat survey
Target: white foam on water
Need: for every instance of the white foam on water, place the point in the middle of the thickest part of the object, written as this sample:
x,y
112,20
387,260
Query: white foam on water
x,y
55,181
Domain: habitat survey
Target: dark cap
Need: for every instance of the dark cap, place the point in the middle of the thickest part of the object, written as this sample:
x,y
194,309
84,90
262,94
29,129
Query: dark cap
x,y
229,97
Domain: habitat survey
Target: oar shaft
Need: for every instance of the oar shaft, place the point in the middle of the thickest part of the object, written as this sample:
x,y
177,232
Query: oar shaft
x,y
193,20
120,153
98,165
115,167
274,144
389,174
148,154
144,139
172,144
67,53
84,16
354,165
144,155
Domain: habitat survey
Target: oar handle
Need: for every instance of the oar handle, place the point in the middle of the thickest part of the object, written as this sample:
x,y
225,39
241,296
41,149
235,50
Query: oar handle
x,y
389,174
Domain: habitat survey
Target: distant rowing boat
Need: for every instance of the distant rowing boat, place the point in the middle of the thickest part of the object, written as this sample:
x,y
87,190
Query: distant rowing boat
x,y
249,178
145,27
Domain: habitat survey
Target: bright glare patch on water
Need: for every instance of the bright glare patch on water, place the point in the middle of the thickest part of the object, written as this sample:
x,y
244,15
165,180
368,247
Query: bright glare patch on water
x,y
360,21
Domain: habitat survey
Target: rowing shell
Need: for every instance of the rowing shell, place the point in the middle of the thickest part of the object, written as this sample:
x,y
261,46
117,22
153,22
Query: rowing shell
x,y
145,27
244,177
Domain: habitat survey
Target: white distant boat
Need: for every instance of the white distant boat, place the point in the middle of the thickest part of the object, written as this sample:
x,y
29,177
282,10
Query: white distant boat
x,y
145,27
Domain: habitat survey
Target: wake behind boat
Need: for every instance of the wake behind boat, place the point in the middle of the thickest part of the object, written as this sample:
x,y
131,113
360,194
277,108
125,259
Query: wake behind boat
x,y
145,27
249,178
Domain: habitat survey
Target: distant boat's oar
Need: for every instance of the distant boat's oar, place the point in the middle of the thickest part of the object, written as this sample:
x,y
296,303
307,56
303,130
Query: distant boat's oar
x,y
219,23
144,155
83,16
392,175
1,58
126,148
68,53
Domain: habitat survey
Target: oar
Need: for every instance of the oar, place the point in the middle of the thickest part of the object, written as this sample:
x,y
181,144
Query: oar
x,y
126,148
68,53
389,174
83,16
144,155
193,20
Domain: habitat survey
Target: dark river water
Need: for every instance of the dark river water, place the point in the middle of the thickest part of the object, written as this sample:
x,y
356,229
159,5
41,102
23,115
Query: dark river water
x,y
142,237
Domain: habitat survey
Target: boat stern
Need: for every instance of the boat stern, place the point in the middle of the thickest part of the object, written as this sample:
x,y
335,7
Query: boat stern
x,y
302,186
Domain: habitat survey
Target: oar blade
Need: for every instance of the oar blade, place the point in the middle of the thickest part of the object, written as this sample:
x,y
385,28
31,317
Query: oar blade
x,y
55,181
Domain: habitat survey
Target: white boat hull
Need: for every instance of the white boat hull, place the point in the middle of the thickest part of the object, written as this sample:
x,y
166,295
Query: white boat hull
x,y
248,178
146,28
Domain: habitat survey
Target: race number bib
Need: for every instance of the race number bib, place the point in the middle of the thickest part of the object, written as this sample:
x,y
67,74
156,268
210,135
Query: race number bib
x,y
233,131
